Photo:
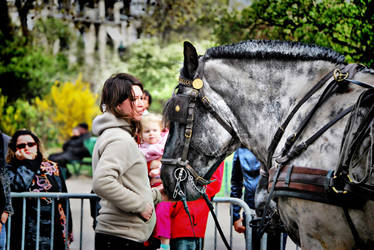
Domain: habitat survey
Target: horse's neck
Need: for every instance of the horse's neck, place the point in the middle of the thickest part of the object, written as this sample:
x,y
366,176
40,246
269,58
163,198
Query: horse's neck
x,y
261,94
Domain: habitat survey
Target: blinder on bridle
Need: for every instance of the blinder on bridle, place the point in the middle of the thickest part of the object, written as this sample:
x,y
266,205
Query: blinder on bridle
x,y
181,109
178,108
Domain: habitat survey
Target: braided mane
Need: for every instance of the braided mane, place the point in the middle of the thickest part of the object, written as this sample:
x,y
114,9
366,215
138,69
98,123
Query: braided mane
x,y
265,49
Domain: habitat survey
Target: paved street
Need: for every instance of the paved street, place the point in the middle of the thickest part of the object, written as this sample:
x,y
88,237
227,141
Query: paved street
x,y
82,184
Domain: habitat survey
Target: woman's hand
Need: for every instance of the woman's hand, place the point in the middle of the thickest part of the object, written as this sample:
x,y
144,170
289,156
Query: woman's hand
x,y
147,213
238,226
23,154
3,219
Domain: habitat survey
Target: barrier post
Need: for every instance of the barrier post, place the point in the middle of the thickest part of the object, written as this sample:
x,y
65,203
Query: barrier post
x,y
248,213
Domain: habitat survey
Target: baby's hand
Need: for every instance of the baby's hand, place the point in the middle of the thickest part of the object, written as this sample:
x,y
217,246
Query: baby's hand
x,y
155,181
154,172
155,164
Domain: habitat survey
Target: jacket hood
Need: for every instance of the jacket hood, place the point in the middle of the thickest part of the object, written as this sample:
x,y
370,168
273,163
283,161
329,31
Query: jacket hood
x,y
108,120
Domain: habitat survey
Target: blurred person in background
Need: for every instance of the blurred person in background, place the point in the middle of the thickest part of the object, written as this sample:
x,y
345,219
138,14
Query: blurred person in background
x,y
147,100
246,173
73,149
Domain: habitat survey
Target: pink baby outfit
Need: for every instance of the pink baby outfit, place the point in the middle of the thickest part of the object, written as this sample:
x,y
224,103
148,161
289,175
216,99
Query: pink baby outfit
x,y
154,152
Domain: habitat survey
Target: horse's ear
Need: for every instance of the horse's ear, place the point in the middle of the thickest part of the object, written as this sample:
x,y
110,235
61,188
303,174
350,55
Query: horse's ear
x,y
190,60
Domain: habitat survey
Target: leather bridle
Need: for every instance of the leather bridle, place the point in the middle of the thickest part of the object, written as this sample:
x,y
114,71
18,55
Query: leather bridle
x,y
183,169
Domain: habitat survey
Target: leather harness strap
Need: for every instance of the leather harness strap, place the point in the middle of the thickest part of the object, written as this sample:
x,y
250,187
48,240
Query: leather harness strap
x,y
313,184
301,179
281,129
297,150
340,74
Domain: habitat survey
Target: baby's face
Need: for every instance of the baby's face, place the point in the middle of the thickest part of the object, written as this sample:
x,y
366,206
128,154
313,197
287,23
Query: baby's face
x,y
151,133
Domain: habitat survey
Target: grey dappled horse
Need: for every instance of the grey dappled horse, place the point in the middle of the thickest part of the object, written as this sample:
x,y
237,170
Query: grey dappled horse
x,y
246,92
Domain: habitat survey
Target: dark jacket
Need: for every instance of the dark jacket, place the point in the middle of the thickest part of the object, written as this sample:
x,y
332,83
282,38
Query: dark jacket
x,y
5,201
38,176
75,147
4,140
245,172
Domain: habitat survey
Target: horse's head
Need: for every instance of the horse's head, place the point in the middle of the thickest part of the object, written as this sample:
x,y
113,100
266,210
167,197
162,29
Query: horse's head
x,y
200,135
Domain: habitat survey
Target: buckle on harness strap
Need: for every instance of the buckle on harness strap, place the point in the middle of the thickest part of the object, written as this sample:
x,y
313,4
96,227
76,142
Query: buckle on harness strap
x,y
334,179
188,133
339,76
205,101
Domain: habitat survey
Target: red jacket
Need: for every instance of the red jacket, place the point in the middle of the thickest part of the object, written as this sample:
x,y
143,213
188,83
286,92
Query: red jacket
x,y
199,210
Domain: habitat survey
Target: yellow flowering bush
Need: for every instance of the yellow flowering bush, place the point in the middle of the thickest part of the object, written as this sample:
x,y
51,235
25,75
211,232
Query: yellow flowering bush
x,y
69,104
53,117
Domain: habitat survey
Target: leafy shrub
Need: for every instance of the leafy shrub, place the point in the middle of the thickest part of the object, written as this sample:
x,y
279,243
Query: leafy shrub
x,y
68,104
52,29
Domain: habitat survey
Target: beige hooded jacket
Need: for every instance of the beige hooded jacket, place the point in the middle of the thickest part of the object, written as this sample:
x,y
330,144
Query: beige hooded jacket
x,y
120,178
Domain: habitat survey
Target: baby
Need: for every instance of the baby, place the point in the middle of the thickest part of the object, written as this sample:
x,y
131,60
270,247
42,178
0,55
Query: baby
x,y
153,142
152,146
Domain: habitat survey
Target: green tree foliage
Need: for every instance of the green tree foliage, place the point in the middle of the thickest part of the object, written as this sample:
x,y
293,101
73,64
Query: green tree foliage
x,y
345,26
157,67
27,71
52,29
170,19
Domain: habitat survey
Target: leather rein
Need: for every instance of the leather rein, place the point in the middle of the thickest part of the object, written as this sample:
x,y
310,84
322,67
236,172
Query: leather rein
x,y
183,169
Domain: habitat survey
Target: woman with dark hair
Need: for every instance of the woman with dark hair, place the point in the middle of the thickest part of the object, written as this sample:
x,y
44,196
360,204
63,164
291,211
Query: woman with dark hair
x,y
29,171
126,218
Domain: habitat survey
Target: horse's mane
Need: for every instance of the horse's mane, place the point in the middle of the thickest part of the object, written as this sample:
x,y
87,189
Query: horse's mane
x,y
263,49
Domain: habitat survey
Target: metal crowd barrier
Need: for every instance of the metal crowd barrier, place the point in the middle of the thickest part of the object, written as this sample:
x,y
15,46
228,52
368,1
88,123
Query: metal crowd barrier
x,y
249,213
53,196
68,196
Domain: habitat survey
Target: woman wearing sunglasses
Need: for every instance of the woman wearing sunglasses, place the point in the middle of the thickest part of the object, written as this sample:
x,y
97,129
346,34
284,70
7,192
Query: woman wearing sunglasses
x,y
29,171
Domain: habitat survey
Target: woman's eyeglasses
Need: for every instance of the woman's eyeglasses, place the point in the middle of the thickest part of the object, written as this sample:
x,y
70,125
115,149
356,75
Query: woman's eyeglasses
x,y
23,145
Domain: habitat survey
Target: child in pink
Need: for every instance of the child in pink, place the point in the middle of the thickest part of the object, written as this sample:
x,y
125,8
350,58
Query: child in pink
x,y
152,146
